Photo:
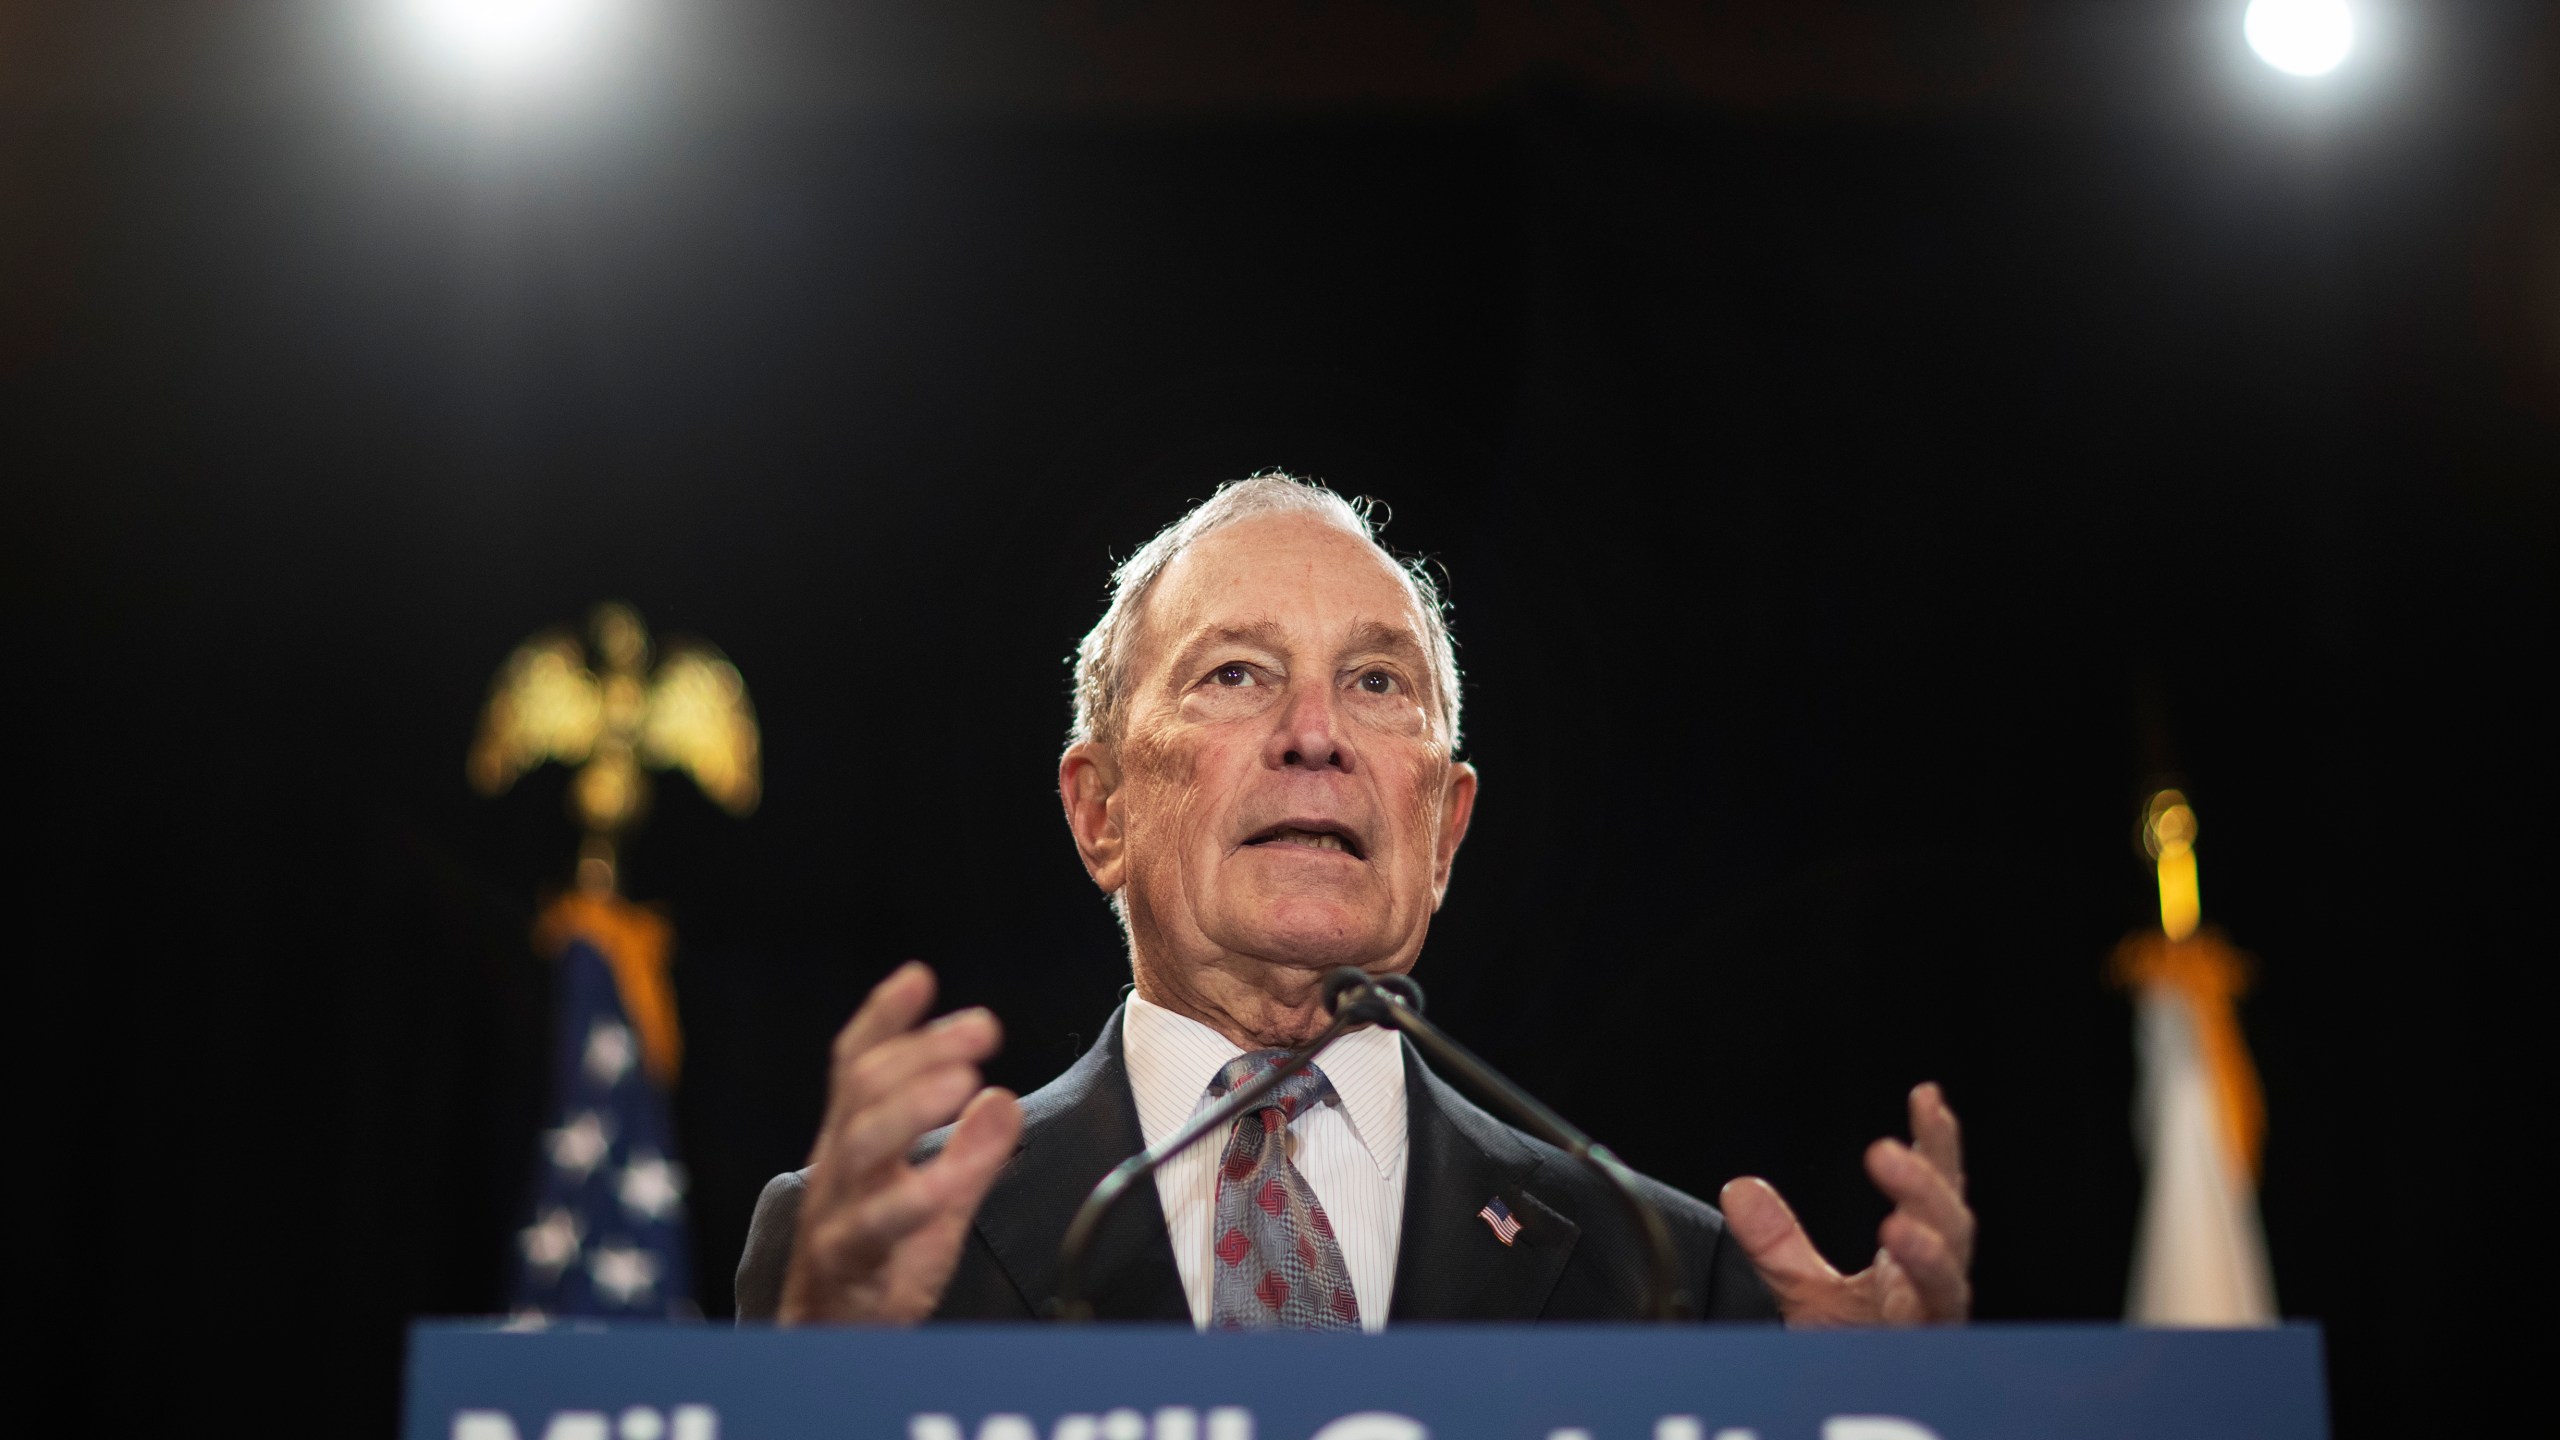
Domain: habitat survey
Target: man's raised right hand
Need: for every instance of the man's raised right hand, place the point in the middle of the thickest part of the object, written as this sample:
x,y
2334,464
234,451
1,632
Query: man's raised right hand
x,y
877,1236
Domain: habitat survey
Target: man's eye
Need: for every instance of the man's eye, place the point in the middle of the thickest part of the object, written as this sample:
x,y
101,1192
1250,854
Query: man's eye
x,y
1378,682
1232,675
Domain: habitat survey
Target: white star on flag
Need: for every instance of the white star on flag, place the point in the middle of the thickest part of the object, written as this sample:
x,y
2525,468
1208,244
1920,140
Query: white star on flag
x,y
579,1146
551,1242
623,1273
609,1052
651,1186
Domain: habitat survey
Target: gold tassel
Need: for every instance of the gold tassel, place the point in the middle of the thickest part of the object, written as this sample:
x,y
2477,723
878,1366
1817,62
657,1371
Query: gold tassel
x,y
637,943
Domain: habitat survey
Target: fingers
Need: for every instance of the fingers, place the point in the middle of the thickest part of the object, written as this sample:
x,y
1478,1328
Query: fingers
x,y
891,1082
1921,1271
883,1131
1774,1239
892,1008
903,1088
960,1039
1929,1236
859,1232
1931,1266
1921,1191
1935,1134
978,1148
880,1050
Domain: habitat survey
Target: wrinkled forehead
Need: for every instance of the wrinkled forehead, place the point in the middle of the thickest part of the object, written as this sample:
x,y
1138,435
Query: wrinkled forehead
x,y
1317,581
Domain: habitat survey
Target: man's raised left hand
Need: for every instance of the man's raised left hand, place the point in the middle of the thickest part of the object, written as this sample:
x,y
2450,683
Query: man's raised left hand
x,y
1922,1272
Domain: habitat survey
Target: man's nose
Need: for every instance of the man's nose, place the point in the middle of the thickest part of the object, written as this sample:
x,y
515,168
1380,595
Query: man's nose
x,y
1306,737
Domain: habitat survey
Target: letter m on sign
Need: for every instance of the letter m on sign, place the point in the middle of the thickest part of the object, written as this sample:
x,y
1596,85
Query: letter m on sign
x,y
687,1422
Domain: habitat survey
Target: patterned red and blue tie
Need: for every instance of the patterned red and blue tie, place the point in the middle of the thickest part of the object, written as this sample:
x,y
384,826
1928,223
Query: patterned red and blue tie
x,y
1278,1263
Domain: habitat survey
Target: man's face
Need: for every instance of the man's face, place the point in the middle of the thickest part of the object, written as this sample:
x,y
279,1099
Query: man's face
x,y
1284,794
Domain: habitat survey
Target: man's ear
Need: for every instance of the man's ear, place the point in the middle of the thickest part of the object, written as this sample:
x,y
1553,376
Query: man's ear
x,y
1457,807
1088,776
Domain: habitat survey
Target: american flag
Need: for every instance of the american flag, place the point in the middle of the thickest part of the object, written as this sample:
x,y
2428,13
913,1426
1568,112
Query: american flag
x,y
607,1233
1498,1215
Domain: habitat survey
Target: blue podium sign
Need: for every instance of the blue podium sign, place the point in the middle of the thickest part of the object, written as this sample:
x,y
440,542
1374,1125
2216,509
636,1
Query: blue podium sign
x,y
1027,1382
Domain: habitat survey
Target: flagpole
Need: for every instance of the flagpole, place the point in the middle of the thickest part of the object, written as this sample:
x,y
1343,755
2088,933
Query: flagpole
x,y
608,1233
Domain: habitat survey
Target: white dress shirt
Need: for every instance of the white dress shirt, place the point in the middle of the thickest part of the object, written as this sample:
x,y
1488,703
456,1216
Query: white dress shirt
x,y
1352,1152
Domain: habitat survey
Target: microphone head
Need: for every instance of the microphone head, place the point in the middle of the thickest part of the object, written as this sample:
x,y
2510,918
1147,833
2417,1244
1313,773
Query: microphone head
x,y
1368,992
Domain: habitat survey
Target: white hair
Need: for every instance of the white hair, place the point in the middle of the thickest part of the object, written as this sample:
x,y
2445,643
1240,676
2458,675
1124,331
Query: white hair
x,y
1102,660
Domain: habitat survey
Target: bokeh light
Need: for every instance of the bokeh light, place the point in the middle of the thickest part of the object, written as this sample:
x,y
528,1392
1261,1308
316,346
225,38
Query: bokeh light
x,y
509,39
2300,37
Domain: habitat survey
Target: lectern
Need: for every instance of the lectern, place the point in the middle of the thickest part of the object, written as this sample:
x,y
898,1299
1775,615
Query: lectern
x,y
1458,1382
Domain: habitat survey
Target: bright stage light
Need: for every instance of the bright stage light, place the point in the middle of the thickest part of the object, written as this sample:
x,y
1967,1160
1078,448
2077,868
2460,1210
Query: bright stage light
x,y
510,37
2300,37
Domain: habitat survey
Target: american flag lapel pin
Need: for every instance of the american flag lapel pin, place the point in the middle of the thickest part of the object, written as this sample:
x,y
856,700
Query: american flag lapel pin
x,y
1498,1215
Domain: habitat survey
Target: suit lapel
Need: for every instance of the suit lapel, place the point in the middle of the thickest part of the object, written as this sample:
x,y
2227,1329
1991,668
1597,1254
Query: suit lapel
x,y
1450,1265
1074,1130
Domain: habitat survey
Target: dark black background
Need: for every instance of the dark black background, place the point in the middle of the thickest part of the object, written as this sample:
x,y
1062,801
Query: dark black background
x,y
1852,501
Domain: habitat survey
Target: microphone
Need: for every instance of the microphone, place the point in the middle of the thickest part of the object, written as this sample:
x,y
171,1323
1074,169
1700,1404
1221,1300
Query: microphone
x,y
1395,1002
1356,1000
1070,1304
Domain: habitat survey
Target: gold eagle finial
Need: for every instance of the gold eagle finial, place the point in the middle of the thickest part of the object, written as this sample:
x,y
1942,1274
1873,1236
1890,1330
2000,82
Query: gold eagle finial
x,y
615,720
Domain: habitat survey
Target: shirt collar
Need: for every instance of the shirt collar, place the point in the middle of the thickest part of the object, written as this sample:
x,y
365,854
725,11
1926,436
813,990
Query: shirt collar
x,y
1172,1058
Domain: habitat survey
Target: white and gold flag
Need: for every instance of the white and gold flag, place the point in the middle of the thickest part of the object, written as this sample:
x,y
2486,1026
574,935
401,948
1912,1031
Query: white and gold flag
x,y
2199,1250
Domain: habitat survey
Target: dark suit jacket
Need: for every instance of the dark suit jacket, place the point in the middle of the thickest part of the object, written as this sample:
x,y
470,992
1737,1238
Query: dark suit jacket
x,y
1578,1255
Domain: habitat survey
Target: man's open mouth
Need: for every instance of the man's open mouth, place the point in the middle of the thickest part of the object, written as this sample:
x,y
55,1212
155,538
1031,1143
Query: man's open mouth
x,y
1312,836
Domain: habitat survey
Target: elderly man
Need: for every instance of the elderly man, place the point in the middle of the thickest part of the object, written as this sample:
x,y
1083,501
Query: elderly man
x,y
1263,778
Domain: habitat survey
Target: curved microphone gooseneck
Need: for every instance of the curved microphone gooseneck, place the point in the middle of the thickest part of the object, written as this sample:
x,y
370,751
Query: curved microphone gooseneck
x,y
1397,1003
1070,1304
1394,1001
